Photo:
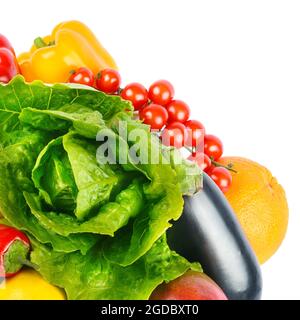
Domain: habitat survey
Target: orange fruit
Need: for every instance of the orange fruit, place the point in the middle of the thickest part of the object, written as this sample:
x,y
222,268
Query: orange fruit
x,y
260,205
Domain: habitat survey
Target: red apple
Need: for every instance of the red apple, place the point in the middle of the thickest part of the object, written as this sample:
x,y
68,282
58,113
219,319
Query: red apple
x,y
190,286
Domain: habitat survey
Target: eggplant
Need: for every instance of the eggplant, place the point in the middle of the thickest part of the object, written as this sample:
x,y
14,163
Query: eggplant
x,y
208,232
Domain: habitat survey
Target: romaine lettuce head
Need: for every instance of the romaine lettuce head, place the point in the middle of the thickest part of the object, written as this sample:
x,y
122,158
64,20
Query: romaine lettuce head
x,y
100,215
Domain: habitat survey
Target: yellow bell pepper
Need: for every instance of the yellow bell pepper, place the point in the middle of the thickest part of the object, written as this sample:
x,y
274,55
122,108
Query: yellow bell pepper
x,y
70,46
29,285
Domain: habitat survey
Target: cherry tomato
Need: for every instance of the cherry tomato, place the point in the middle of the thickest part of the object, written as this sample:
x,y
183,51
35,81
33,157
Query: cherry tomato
x,y
178,111
213,146
8,65
82,76
161,92
154,115
136,93
222,178
174,135
4,43
202,160
210,169
108,81
196,133
190,286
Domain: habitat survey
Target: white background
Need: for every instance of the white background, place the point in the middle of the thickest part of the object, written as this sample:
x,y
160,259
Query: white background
x,y
237,63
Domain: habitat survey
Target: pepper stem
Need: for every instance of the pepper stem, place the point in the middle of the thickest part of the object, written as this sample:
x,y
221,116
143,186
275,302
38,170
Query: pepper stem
x,y
16,251
40,43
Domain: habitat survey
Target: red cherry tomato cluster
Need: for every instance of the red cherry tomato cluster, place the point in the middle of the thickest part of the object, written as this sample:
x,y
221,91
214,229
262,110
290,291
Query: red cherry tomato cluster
x,y
107,80
158,109
8,62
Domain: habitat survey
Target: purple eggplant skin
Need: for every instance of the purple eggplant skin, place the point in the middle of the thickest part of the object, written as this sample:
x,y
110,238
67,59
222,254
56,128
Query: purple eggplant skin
x,y
208,232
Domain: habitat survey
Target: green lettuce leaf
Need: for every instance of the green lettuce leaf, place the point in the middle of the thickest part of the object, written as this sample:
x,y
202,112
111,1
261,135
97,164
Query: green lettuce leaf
x,y
188,175
54,178
93,277
15,210
95,181
68,168
110,218
84,120
164,202
18,95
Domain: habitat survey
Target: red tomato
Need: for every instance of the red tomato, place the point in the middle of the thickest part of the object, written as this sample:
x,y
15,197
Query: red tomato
x,y
222,178
178,111
190,286
82,76
108,81
196,131
202,160
8,65
161,92
213,146
4,43
154,115
210,169
136,93
174,135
